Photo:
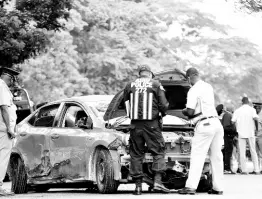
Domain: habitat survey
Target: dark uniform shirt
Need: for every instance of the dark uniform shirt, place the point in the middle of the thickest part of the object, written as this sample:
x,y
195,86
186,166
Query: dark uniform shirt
x,y
144,99
229,127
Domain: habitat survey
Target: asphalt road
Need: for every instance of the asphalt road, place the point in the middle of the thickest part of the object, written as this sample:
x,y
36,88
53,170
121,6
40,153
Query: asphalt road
x,y
236,186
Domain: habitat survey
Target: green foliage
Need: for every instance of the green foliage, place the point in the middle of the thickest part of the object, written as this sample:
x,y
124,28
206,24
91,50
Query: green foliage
x,y
249,5
23,30
104,41
18,41
120,35
3,2
46,13
55,74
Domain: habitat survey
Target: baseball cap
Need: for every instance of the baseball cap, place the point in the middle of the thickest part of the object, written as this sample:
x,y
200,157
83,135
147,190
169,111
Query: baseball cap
x,y
9,71
145,68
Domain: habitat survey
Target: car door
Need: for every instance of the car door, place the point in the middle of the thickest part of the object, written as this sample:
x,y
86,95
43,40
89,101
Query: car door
x,y
33,142
68,142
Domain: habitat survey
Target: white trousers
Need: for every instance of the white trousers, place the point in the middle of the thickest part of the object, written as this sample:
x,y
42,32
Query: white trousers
x,y
242,149
207,137
5,151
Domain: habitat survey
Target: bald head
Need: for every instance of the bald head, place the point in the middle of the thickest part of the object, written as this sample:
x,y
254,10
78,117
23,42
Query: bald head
x,y
229,108
191,72
245,100
192,75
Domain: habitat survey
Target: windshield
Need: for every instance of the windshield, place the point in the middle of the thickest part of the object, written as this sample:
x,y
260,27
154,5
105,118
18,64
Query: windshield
x,y
98,103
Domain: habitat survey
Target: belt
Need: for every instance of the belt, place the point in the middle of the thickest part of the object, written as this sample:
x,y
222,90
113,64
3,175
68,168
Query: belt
x,y
204,118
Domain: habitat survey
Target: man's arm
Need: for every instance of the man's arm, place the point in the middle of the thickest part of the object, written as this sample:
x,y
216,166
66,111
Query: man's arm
x,y
5,115
189,111
6,118
127,98
163,103
4,106
256,120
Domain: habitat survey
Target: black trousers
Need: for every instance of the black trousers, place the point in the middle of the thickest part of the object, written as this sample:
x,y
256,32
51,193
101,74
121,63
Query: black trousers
x,y
149,133
228,149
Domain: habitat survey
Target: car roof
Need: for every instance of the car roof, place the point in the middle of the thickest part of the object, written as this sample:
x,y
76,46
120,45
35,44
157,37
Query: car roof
x,y
86,98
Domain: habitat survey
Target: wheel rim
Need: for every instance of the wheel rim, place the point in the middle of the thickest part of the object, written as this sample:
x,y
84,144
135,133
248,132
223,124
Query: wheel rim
x,y
101,170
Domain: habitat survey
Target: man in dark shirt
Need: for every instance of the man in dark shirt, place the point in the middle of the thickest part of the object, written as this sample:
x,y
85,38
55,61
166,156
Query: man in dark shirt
x,y
145,101
229,134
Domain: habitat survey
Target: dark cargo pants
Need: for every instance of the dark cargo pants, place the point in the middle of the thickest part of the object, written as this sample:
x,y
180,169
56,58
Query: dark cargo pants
x,y
149,133
228,150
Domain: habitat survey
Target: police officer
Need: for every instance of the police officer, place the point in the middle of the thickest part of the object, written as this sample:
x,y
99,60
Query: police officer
x,y
208,134
145,101
7,122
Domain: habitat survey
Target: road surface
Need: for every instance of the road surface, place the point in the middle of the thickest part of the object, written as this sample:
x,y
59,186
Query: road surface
x,y
236,186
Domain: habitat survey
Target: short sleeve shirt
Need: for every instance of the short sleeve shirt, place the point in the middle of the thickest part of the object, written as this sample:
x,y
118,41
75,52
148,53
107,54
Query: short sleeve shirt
x,y
200,97
244,119
6,99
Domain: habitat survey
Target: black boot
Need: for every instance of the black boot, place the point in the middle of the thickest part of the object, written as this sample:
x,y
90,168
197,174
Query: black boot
x,y
138,189
158,185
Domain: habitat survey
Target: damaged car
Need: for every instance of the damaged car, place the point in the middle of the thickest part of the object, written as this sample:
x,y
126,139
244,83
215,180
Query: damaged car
x,y
67,144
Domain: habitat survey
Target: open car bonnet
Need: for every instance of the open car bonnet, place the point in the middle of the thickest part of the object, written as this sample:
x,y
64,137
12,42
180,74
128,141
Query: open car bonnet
x,y
176,86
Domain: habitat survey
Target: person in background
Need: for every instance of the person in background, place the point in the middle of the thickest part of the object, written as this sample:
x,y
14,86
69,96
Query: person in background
x,y
244,118
258,107
7,122
229,134
220,111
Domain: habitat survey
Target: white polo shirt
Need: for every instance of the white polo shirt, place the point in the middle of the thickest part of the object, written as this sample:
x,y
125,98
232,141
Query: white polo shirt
x,y
244,119
201,96
6,98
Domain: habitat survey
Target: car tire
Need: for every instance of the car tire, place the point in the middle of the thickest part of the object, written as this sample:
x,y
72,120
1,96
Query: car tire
x,y
105,172
19,176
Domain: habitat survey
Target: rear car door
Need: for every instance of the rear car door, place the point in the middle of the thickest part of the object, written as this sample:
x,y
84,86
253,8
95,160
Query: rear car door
x,y
68,142
33,141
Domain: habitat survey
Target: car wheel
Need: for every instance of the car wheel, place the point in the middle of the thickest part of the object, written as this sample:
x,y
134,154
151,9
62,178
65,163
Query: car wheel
x,y
105,172
19,176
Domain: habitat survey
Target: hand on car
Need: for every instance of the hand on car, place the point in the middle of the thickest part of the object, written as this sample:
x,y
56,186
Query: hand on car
x,y
11,133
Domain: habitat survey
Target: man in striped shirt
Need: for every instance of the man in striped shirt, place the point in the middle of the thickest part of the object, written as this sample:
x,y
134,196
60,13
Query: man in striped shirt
x,y
145,104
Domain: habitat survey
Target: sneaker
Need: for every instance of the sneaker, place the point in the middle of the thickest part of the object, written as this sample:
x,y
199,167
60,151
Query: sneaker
x,y
3,192
255,173
233,172
229,172
244,173
160,187
187,190
212,191
239,171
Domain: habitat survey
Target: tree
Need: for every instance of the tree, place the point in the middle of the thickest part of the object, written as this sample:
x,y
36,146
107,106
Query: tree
x,y
250,6
55,74
23,30
119,36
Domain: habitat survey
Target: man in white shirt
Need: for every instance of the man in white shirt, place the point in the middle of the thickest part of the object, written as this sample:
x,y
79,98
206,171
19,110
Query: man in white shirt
x,y
208,134
244,118
7,122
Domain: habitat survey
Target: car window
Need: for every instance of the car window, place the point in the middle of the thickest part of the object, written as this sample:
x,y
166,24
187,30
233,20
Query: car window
x,y
95,111
76,117
45,116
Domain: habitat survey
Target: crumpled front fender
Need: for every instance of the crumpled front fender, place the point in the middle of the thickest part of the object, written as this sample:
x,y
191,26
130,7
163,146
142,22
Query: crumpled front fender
x,y
116,164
